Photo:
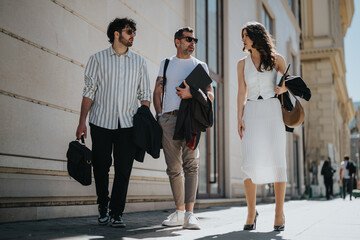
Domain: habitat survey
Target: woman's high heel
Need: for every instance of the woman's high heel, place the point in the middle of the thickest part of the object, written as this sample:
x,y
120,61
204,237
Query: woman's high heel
x,y
280,227
251,226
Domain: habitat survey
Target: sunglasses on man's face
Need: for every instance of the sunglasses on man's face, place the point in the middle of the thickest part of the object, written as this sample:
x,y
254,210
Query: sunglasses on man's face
x,y
190,39
130,31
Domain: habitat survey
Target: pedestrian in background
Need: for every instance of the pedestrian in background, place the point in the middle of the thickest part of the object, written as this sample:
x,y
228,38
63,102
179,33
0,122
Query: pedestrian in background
x,y
346,176
328,172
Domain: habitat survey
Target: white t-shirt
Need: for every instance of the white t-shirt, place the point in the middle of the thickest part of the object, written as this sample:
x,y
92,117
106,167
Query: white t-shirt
x,y
176,72
345,171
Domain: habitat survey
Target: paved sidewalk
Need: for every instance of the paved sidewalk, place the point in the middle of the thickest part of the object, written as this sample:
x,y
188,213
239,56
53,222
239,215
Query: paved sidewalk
x,y
305,220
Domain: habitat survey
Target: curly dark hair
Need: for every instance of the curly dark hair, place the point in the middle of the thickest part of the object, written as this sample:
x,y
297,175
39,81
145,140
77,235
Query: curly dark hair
x,y
263,42
118,24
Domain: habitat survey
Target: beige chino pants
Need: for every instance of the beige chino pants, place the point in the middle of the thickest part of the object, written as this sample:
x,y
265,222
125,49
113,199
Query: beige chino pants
x,y
179,159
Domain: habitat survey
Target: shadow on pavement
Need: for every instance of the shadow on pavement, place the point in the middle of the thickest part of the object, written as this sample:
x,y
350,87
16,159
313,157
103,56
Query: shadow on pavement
x,y
85,228
246,235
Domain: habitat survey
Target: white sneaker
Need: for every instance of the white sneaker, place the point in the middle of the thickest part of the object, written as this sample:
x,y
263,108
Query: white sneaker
x,y
174,219
191,222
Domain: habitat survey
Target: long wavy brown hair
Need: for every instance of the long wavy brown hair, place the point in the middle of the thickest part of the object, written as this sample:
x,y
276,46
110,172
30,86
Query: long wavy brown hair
x,y
263,42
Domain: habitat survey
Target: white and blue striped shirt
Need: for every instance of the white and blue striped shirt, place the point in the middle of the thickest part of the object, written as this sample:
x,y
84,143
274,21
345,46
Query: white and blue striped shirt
x,y
115,83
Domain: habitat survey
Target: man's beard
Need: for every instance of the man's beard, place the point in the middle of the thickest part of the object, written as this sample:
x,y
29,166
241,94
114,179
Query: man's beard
x,y
188,52
126,43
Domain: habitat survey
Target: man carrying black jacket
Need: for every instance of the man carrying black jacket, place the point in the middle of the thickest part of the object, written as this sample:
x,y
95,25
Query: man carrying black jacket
x,y
179,157
116,80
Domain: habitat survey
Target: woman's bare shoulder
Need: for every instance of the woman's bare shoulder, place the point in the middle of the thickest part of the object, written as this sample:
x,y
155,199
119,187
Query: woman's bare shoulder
x,y
241,62
279,61
279,57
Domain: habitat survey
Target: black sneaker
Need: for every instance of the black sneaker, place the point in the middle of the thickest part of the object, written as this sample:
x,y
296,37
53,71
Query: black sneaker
x,y
117,221
104,217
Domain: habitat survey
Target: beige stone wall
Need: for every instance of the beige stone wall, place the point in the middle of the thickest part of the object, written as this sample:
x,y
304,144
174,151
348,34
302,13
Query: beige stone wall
x,y
326,120
319,111
44,47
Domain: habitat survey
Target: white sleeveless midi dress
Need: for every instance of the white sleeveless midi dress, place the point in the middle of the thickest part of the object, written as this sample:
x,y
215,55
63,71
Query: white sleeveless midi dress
x,y
264,138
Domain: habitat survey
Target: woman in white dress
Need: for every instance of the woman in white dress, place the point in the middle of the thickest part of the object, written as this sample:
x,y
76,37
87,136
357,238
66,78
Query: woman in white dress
x,y
260,123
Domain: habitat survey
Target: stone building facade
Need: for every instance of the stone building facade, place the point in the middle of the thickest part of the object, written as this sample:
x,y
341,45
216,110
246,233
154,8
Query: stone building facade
x,y
328,114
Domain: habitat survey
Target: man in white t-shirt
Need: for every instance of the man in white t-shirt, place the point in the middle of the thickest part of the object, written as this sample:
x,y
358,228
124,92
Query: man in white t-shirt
x,y
179,157
346,177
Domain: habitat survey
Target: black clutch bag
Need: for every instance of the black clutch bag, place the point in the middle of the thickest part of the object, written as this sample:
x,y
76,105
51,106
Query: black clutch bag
x,y
79,161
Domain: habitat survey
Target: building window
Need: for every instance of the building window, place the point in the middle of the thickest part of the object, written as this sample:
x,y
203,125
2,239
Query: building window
x,y
267,20
293,64
201,29
291,4
294,6
209,32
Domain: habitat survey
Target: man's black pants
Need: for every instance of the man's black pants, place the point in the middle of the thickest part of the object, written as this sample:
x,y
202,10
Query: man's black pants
x,y
119,143
347,186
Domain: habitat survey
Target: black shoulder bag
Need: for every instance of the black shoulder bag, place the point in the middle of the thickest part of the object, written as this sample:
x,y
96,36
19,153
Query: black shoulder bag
x,y
164,81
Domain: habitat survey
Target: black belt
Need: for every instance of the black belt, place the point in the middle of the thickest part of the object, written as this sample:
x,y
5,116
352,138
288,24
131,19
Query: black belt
x,y
260,98
175,112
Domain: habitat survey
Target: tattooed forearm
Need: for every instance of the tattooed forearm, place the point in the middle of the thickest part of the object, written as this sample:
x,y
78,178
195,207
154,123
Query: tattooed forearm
x,y
157,94
160,82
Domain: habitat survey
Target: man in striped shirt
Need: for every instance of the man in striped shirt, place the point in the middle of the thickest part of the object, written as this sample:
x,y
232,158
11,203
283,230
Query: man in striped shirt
x,y
116,79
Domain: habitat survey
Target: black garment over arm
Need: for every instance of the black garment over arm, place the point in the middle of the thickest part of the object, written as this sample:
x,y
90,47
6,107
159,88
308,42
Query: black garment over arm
x,y
195,115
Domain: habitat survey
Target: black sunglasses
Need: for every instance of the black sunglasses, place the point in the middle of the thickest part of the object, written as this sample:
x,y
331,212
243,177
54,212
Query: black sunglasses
x,y
130,31
190,39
